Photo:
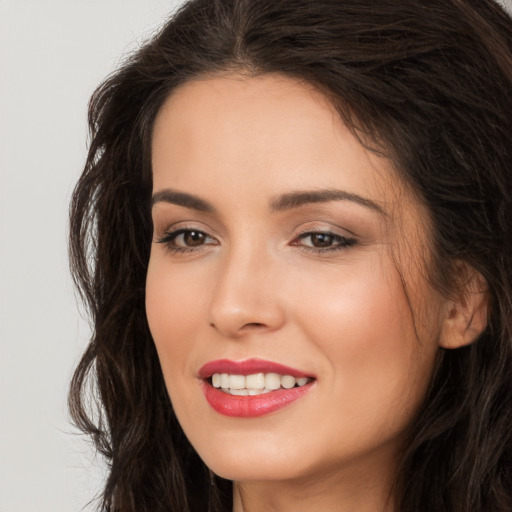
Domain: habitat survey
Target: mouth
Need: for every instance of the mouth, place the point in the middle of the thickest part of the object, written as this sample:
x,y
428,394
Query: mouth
x,y
256,383
252,387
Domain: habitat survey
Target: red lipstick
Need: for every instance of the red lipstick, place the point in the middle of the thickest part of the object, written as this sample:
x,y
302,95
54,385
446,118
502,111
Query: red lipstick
x,y
247,367
250,406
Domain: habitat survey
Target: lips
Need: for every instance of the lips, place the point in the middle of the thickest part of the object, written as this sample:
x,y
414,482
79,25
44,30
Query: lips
x,y
247,367
253,387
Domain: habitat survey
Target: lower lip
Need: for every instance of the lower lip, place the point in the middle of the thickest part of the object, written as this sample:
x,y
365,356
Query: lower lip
x,y
251,406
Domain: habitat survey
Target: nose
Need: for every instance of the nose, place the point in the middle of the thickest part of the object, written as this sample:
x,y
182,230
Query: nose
x,y
247,297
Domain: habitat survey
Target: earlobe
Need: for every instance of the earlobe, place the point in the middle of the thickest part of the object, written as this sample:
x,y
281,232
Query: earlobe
x,y
466,314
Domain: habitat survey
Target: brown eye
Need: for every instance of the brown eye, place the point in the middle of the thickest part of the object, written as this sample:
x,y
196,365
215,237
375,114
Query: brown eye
x,y
193,238
186,240
321,240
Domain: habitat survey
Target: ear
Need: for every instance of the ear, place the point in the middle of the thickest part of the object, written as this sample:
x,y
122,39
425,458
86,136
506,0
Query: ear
x,y
466,312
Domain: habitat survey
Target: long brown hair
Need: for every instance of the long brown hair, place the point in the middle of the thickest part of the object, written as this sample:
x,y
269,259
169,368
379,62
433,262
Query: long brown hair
x,y
427,83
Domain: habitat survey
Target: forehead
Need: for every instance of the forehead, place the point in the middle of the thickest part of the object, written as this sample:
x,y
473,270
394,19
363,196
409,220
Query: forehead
x,y
264,134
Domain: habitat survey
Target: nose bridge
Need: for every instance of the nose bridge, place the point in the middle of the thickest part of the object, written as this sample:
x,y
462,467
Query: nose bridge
x,y
246,295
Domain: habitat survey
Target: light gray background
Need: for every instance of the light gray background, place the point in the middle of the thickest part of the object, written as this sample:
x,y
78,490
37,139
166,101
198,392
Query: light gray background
x,y
52,55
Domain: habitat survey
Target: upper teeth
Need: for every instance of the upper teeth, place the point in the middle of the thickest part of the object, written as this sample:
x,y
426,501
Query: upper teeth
x,y
256,383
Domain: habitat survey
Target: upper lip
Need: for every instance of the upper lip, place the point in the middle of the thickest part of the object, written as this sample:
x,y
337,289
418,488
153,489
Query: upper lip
x,y
248,367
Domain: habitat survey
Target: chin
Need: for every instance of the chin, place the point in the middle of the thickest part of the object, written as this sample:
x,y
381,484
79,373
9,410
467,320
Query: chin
x,y
245,470
256,462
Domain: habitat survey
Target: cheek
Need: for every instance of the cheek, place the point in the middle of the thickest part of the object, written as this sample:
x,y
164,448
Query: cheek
x,y
363,307
362,324
173,302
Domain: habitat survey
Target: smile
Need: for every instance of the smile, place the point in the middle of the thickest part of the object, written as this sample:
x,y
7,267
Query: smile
x,y
251,388
255,384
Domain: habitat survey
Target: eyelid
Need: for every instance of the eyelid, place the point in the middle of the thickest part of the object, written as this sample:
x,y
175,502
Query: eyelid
x,y
161,229
169,235
324,228
174,233
340,241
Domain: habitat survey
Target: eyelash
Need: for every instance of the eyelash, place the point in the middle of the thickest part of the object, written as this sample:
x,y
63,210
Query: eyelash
x,y
341,242
169,238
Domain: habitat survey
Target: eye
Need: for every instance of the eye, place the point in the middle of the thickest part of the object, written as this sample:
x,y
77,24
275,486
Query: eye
x,y
190,238
186,240
323,241
319,240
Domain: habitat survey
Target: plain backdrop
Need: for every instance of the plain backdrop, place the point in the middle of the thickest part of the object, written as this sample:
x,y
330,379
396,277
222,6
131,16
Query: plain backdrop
x,y
52,55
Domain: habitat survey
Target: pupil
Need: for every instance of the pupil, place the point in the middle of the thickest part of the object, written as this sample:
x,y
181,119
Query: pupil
x,y
322,240
194,238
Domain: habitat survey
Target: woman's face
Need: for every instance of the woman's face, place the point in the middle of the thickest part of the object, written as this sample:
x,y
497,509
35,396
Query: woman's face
x,y
280,240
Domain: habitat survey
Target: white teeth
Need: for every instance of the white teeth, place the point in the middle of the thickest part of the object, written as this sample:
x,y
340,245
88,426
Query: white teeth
x,y
272,381
245,392
287,381
255,381
236,382
224,380
216,378
258,391
239,392
255,384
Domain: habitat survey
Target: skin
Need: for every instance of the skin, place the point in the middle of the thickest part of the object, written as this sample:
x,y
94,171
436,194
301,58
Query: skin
x,y
256,286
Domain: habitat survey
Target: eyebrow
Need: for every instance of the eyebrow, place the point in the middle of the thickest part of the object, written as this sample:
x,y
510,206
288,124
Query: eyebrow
x,y
288,201
182,199
297,199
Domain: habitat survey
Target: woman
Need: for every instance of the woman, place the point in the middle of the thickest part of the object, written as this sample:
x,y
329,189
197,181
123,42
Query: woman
x,y
293,233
